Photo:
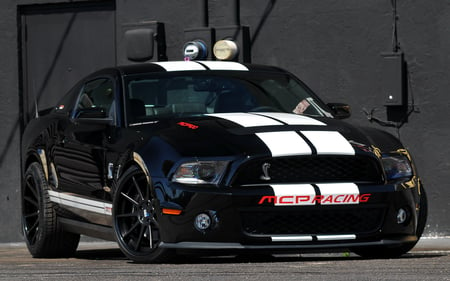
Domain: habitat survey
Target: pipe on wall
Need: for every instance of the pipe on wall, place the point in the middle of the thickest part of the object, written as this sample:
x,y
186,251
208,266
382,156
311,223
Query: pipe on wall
x,y
202,7
235,13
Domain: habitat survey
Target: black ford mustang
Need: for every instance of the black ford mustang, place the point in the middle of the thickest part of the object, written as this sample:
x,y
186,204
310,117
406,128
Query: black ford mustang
x,y
213,156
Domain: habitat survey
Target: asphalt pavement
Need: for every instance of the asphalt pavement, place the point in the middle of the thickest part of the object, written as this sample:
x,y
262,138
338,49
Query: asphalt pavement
x,y
433,244
103,261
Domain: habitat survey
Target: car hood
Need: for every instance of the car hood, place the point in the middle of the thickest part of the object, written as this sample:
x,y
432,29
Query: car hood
x,y
258,135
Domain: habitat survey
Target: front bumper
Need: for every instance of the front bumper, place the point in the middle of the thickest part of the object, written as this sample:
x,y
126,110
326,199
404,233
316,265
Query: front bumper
x,y
239,222
287,248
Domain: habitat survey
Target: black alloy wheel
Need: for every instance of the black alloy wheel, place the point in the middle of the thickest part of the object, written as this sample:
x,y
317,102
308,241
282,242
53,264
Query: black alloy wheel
x,y
135,212
43,235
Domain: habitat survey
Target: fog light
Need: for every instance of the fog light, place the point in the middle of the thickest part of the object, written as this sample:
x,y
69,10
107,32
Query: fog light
x,y
202,222
402,216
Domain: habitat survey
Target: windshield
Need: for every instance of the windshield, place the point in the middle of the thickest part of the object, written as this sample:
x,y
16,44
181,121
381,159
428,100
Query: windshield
x,y
167,96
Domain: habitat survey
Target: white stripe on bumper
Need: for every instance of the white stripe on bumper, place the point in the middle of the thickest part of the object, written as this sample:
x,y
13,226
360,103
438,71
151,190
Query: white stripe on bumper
x,y
294,194
308,195
309,238
339,192
336,237
292,238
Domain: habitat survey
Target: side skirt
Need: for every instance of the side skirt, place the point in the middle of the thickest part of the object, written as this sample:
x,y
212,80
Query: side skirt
x,y
97,231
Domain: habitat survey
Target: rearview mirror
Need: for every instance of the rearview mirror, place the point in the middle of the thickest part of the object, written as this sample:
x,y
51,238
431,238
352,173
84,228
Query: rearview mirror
x,y
340,110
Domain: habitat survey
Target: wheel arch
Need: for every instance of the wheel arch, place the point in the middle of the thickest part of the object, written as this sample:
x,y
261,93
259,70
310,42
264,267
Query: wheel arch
x,y
39,155
142,165
134,160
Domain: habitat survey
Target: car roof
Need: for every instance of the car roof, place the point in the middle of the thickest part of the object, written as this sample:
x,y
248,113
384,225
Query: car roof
x,y
172,66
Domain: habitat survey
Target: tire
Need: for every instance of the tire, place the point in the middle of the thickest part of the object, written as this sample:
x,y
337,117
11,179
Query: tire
x,y
42,233
135,215
395,252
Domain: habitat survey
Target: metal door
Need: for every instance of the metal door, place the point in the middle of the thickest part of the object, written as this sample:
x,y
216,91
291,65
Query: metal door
x,y
61,43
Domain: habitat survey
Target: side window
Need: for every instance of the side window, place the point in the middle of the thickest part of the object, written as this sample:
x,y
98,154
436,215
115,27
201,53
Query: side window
x,y
68,103
97,97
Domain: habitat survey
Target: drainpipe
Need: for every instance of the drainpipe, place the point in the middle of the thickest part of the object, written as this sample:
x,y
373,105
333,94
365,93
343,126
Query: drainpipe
x,y
202,6
236,13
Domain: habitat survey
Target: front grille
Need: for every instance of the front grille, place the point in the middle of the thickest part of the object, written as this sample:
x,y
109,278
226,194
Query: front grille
x,y
311,169
312,221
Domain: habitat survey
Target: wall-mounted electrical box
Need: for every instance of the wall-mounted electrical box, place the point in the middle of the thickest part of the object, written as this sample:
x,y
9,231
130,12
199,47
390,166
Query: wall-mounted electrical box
x,y
394,87
393,79
141,42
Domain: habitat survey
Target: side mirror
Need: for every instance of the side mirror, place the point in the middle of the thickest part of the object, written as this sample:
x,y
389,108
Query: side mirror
x,y
94,115
92,112
340,110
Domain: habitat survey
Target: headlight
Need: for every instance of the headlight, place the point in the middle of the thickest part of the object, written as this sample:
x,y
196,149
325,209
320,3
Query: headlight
x,y
200,172
397,166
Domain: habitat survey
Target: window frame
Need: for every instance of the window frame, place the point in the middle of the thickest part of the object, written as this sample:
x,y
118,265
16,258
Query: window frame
x,y
113,107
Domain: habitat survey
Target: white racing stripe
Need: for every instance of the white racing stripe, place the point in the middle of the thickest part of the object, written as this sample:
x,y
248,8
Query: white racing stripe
x,y
224,65
180,65
307,195
339,193
292,119
80,203
247,120
285,143
329,142
294,194
203,65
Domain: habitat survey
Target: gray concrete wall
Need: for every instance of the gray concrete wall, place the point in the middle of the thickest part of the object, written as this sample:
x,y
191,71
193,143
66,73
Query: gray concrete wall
x,y
334,46
9,125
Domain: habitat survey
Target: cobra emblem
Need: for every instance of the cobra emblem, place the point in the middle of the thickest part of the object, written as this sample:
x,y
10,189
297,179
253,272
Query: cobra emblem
x,y
265,168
